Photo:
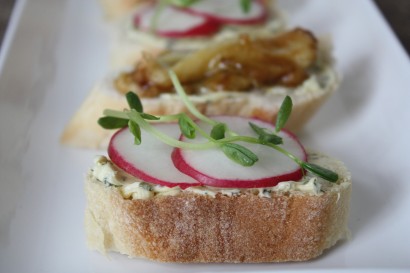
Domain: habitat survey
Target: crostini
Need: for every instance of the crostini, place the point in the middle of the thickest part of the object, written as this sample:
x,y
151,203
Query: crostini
x,y
221,189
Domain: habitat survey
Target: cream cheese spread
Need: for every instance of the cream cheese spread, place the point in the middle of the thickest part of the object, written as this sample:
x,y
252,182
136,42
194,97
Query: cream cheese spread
x,y
104,171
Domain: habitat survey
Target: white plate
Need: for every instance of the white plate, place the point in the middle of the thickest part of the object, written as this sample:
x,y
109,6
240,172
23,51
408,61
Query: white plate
x,y
55,50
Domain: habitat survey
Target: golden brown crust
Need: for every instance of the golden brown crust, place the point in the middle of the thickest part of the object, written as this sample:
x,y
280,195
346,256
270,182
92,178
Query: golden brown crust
x,y
197,228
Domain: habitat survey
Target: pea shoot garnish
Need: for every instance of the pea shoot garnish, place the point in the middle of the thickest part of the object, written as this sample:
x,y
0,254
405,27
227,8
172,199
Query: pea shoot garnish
x,y
220,135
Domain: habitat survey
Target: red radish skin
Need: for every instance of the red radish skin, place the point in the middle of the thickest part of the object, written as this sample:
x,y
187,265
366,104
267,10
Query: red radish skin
x,y
230,11
134,159
182,165
174,23
182,162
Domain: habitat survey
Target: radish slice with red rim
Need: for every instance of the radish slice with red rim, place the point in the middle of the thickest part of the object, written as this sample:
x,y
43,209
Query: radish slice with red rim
x,y
212,168
230,11
175,23
151,160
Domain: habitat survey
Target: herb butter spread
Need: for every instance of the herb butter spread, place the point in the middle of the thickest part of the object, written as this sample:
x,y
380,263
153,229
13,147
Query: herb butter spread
x,y
104,171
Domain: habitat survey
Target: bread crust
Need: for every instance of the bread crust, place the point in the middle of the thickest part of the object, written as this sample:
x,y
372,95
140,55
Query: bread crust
x,y
191,227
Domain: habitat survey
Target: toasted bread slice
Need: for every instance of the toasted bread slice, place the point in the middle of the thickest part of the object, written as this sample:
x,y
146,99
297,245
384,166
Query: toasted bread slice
x,y
294,221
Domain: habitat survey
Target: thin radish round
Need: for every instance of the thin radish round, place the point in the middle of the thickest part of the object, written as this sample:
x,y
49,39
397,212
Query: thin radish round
x,y
211,167
151,160
174,23
230,11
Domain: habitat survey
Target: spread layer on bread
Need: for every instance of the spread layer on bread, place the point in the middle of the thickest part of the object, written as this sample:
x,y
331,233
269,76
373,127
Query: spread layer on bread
x,y
105,172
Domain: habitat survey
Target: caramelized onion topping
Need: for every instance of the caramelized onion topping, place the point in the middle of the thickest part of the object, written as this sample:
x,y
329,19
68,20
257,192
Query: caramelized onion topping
x,y
241,64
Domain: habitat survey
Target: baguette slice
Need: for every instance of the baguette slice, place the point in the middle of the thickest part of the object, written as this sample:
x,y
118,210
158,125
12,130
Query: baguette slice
x,y
283,223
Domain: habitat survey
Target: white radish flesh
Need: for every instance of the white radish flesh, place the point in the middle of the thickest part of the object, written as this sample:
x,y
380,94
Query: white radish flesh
x,y
230,11
211,167
174,23
151,160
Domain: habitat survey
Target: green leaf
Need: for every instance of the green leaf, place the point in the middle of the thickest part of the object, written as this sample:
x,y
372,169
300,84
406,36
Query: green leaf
x,y
218,131
239,154
134,101
185,124
284,113
148,116
258,130
271,138
246,5
264,136
321,172
112,122
136,131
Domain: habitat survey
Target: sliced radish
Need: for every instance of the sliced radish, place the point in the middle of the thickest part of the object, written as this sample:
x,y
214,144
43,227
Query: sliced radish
x,y
174,23
230,11
211,167
151,160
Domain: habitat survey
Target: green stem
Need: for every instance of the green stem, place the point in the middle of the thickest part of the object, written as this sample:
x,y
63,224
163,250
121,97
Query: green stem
x,y
239,138
180,91
115,114
168,118
157,12
200,130
283,151
134,115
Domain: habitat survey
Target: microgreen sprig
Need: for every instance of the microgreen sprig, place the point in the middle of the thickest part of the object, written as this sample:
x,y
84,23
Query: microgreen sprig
x,y
220,135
